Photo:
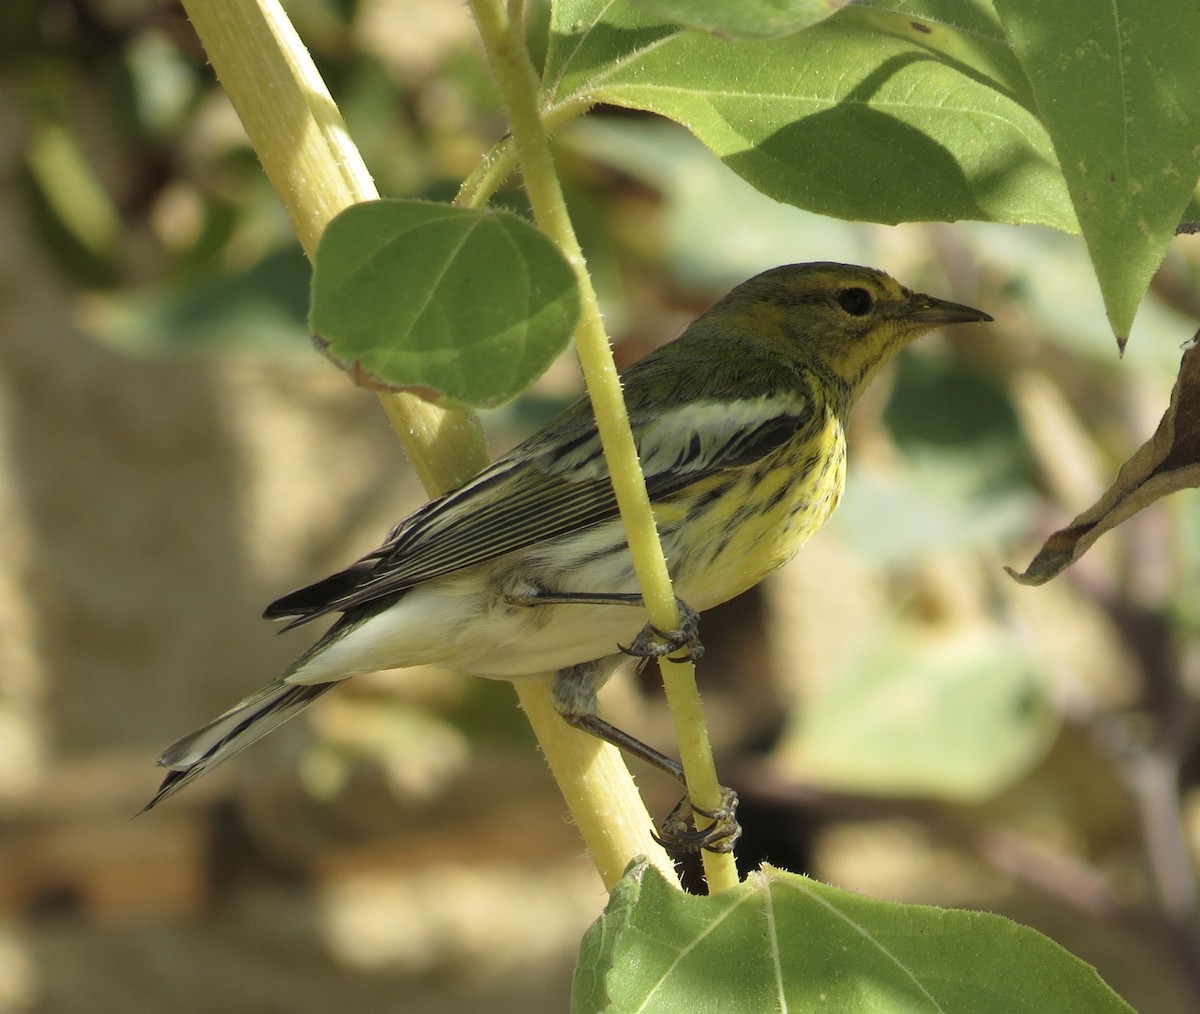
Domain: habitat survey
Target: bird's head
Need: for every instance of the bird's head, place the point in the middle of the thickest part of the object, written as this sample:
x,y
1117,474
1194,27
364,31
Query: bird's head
x,y
842,320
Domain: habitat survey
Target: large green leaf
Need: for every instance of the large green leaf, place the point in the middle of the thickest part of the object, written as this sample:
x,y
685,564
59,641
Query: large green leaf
x,y
746,19
1116,86
874,114
782,942
453,302
717,230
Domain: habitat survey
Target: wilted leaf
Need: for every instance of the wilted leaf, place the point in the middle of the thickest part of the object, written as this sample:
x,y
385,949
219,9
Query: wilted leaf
x,y
782,942
1168,461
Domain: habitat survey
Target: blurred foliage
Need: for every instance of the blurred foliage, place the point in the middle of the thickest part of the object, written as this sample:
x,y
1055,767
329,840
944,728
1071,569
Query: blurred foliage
x,y
902,667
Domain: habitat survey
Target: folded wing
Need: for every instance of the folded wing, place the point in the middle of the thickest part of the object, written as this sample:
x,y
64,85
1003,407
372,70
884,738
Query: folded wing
x,y
555,484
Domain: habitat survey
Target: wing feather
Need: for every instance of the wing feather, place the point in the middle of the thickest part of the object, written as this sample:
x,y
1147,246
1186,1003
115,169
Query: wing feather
x,y
548,488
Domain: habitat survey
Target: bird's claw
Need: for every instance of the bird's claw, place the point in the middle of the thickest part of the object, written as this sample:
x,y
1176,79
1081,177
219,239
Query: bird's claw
x,y
679,831
685,639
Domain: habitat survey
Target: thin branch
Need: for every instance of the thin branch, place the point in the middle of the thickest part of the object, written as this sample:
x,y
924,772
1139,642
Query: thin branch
x,y
304,147
504,43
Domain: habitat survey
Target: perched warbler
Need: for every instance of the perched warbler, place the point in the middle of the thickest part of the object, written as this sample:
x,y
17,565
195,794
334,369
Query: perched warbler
x,y
740,427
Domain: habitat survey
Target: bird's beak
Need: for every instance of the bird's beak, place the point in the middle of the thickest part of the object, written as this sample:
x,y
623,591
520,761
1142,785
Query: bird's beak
x,y
936,312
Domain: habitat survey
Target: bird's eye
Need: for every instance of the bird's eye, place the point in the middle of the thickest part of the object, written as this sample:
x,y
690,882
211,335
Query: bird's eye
x,y
856,302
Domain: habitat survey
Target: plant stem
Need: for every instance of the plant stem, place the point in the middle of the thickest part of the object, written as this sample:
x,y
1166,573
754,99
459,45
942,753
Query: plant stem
x,y
504,42
314,167
501,161
300,138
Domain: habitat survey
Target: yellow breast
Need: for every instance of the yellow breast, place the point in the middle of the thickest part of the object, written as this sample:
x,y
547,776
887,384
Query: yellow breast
x,y
728,532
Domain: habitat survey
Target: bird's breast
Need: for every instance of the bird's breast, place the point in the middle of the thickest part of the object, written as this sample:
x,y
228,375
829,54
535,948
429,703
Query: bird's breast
x,y
732,530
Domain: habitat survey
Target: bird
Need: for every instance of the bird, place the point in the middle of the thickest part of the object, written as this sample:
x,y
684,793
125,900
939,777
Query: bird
x,y
740,425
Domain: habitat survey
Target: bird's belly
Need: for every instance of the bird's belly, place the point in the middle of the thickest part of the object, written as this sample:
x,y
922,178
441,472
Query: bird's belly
x,y
466,621
532,640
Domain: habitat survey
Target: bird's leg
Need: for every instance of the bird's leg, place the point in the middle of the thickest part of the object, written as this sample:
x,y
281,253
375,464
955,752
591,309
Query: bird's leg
x,y
650,641
574,696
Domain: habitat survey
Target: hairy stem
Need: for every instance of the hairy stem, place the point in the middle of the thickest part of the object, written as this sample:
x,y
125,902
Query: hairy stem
x,y
302,142
505,45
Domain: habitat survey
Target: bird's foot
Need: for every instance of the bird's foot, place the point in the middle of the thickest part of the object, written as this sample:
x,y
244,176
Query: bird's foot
x,y
680,833
683,641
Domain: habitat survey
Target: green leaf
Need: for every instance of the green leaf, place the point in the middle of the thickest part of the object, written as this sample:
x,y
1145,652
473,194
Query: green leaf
x,y
782,942
871,115
1117,88
717,230
746,19
468,305
958,717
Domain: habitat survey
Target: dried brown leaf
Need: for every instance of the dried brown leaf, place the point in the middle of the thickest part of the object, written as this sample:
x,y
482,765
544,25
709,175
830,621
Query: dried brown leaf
x,y
1168,461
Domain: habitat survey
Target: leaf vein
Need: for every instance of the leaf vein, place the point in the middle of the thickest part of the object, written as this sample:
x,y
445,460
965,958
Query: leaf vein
x,y
861,931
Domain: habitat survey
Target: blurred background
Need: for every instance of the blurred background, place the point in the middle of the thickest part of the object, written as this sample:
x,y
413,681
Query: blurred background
x,y
899,717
